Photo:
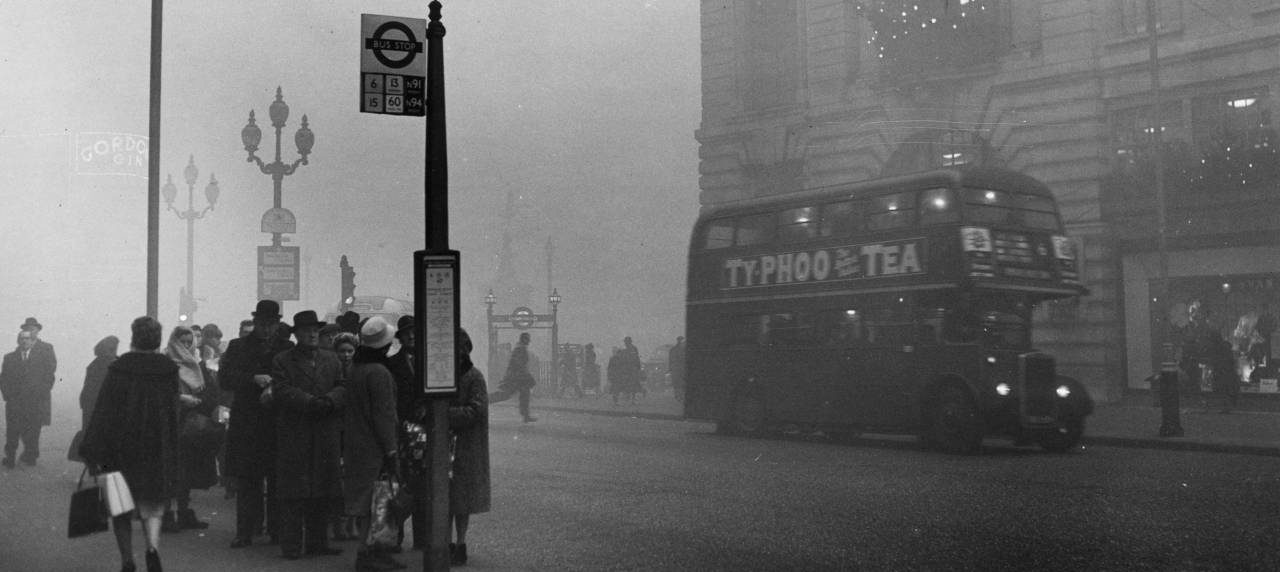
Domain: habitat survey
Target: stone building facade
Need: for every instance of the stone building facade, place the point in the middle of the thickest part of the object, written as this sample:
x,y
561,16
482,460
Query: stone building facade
x,y
800,94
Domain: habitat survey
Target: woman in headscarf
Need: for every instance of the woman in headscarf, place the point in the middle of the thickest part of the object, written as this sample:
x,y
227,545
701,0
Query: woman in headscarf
x,y
198,465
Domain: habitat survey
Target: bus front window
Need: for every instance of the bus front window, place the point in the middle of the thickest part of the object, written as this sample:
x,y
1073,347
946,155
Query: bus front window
x,y
992,322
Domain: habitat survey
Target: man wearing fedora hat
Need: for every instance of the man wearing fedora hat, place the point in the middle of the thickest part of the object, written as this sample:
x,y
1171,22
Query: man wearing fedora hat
x,y
26,381
309,405
251,434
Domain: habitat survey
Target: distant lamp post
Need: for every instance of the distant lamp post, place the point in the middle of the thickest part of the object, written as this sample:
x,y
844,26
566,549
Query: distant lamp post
x,y
554,299
251,136
489,301
187,297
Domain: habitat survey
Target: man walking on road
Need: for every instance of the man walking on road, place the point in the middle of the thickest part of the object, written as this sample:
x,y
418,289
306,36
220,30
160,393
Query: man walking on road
x,y
26,380
518,379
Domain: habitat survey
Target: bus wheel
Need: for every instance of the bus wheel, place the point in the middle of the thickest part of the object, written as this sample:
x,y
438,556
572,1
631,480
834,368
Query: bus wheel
x,y
745,417
955,427
1065,438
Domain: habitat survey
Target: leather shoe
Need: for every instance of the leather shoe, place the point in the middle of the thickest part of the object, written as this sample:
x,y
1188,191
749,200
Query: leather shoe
x,y
324,551
291,556
241,542
8,462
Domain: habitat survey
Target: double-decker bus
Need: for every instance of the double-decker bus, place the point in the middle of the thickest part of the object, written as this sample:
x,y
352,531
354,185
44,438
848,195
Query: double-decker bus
x,y
900,304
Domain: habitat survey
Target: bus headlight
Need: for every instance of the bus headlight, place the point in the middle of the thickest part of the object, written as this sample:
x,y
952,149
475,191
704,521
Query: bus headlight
x,y
1003,389
1063,391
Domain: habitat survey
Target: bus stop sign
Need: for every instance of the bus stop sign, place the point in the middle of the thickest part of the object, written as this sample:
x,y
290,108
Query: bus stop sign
x,y
393,70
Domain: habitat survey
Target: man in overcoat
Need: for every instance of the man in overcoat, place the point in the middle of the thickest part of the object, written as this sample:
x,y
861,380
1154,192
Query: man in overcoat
x,y
26,380
251,444
309,405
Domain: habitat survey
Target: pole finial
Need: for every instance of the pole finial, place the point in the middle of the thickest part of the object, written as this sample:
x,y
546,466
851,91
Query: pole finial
x,y
434,10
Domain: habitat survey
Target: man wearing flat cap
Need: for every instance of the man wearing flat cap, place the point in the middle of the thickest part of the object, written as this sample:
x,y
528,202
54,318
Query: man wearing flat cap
x,y
26,380
309,404
251,435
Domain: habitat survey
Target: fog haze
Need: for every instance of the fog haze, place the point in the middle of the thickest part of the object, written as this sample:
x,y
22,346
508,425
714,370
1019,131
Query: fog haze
x,y
584,111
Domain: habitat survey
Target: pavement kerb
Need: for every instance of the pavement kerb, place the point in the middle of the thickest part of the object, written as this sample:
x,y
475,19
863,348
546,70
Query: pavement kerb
x,y
1170,444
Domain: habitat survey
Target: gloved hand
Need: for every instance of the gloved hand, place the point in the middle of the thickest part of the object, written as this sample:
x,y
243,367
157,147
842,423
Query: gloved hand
x,y
320,405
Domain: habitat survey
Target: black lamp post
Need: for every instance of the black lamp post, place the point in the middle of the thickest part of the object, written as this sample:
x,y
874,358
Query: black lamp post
x,y
187,298
492,332
554,299
251,135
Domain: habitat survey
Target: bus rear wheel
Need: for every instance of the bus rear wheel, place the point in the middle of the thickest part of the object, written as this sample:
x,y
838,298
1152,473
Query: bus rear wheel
x,y
1065,438
746,416
955,426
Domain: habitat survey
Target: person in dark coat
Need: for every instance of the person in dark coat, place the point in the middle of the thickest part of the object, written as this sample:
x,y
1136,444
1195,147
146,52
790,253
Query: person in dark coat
x,y
134,430
410,408
675,366
246,372
26,380
369,433
104,353
309,403
517,380
469,490
590,369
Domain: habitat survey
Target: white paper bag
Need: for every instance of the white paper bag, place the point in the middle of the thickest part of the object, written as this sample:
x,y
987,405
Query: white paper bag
x,y
119,499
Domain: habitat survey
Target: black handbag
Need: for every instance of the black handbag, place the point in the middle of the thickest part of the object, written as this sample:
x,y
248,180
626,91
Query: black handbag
x,y
200,431
88,511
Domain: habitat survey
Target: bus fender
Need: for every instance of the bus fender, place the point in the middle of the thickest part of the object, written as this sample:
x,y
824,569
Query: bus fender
x,y
1081,403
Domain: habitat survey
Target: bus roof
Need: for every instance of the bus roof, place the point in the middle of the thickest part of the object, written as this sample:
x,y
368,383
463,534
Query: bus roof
x,y
981,177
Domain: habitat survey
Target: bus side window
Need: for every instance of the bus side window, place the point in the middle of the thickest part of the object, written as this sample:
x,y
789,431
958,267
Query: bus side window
x,y
798,224
839,219
840,328
755,229
892,211
938,206
719,234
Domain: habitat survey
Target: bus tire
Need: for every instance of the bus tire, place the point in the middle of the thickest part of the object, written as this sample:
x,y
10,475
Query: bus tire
x,y
746,416
954,424
1065,438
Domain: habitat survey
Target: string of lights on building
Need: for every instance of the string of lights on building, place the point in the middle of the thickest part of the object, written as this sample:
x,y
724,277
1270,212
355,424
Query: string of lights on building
x,y
897,23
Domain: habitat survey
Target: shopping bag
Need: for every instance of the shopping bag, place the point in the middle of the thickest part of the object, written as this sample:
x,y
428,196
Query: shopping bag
x,y
119,499
384,528
88,511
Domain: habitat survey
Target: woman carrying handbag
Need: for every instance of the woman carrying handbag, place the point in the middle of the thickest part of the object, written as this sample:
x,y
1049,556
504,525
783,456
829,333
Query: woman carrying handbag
x,y
134,430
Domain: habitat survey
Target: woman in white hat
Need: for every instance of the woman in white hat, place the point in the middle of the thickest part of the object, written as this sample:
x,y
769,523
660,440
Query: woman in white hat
x,y
369,438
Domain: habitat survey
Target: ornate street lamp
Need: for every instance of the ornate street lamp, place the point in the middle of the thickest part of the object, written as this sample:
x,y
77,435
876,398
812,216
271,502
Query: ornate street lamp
x,y
251,136
187,297
554,299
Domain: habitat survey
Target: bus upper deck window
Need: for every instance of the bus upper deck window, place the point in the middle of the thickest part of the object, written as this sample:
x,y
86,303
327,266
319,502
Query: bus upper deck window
x,y
755,229
892,211
938,206
719,234
798,224
838,219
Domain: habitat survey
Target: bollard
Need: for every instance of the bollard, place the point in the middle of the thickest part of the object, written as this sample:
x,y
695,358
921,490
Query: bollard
x,y
1170,422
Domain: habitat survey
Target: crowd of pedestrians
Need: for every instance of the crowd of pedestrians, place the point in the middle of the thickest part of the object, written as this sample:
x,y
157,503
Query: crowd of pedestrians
x,y
301,431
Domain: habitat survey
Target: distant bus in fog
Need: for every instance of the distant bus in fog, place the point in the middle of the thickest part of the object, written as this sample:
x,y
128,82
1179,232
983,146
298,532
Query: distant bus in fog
x,y
900,304
368,306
